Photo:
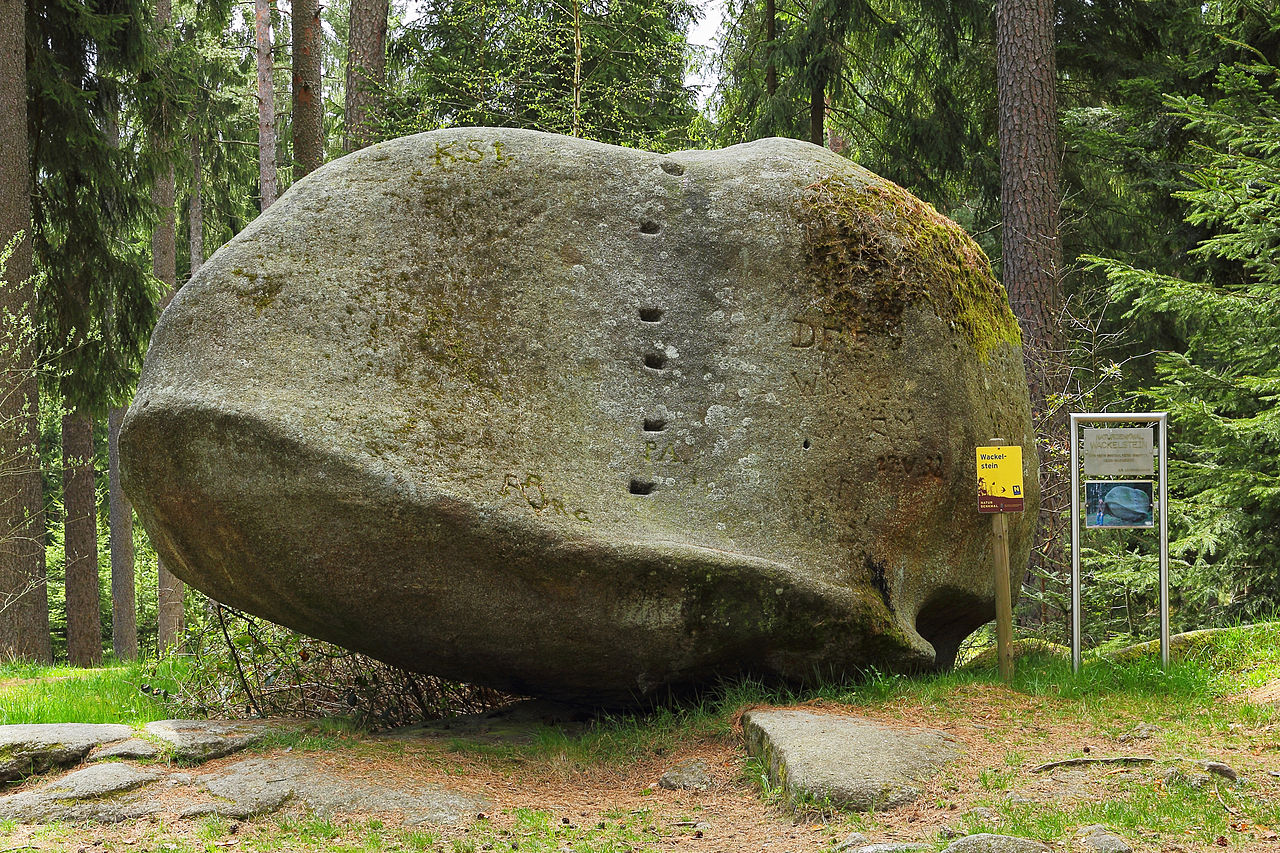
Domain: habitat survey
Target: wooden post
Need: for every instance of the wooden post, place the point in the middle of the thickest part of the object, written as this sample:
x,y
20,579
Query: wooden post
x,y
1004,596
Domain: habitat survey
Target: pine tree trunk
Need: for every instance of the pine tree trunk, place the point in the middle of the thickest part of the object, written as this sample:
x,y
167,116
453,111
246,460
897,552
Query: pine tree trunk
x,y
1025,87
124,614
80,541
1029,185
308,108
817,112
170,591
366,69
266,105
195,208
24,601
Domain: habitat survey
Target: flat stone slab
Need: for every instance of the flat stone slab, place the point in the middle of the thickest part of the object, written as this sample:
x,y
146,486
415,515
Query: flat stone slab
x,y
88,794
256,786
34,748
133,749
205,740
849,762
988,843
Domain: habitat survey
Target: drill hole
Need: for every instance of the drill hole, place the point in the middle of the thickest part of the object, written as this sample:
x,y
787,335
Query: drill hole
x,y
650,315
655,360
806,444
649,227
654,424
641,487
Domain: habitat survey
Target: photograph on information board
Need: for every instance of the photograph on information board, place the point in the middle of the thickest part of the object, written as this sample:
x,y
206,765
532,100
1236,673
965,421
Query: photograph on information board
x,y
1118,503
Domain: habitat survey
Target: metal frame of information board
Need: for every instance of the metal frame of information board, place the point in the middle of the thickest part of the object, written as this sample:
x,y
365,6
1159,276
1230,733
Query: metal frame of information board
x,y
1161,420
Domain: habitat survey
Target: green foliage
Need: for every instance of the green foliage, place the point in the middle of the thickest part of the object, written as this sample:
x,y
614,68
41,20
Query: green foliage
x,y
218,115
1222,384
96,303
909,88
513,63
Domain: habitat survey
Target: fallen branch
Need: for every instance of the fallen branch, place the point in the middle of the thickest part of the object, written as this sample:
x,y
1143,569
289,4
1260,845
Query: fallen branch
x,y
1230,810
1078,762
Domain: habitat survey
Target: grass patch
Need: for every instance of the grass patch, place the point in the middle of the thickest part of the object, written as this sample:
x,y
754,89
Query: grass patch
x,y
109,694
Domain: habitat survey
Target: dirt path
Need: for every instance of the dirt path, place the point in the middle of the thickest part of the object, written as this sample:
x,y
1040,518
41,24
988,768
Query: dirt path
x,y
992,788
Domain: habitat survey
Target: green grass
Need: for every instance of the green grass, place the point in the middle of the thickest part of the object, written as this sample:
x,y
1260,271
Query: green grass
x,y
1106,699
61,694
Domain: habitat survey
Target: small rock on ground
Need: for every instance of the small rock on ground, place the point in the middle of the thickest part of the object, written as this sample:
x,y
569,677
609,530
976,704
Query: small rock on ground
x,y
688,776
988,843
1220,769
889,848
848,762
1099,839
852,841
27,749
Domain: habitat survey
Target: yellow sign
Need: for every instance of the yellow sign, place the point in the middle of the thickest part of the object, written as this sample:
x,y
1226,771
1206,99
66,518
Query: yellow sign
x,y
1000,479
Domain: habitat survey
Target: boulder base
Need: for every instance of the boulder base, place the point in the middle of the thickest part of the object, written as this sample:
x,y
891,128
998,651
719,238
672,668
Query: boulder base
x,y
586,422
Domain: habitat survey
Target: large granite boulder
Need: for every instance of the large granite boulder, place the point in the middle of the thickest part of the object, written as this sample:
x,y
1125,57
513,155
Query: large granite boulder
x,y
588,422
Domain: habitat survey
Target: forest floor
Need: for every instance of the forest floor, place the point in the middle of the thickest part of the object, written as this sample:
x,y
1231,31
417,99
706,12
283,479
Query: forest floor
x,y
595,787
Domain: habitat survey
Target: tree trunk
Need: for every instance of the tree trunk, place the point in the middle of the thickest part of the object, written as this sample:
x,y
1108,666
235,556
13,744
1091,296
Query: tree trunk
x,y
817,112
577,68
124,614
1025,87
308,107
366,69
164,261
770,34
266,105
80,541
1029,185
170,591
24,602
195,209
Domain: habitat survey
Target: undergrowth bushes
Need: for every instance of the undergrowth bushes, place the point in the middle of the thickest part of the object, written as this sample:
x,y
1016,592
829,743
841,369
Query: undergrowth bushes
x,y
239,665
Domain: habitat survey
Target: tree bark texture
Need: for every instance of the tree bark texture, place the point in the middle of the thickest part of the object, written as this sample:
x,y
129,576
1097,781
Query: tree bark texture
x,y
164,261
80,541
817,112
195,208
1027,106
267,187
24,602
124,614
170,591
366,69
1029,185
308,106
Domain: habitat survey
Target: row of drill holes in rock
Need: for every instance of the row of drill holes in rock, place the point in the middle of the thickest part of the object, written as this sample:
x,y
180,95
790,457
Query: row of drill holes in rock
x,y
653,361
656,361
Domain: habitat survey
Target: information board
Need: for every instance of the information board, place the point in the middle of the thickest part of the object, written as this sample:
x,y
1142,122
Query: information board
x,y
1118,452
